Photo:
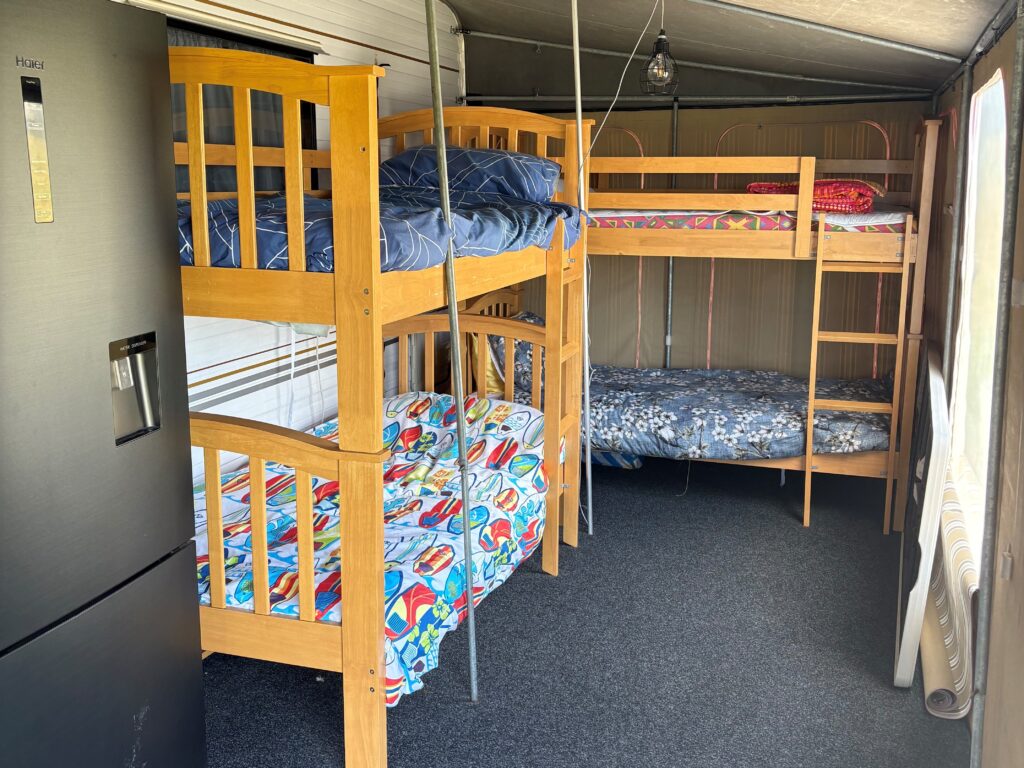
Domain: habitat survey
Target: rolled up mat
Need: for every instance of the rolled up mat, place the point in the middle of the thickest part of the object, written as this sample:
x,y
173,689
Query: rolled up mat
x,y
939,693
947,654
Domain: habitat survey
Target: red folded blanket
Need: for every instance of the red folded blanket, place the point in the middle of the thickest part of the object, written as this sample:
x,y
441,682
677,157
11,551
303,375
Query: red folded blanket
x,y
832,195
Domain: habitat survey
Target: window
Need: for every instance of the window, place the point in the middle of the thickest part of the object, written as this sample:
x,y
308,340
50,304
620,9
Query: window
x,y
976,334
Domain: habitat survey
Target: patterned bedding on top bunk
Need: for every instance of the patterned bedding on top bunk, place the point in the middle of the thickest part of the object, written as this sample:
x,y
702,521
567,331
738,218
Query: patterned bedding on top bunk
x,y
501,201
424,576
721,414
882,219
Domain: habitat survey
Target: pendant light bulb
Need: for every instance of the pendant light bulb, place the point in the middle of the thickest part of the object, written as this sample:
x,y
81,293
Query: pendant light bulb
x,y
660,74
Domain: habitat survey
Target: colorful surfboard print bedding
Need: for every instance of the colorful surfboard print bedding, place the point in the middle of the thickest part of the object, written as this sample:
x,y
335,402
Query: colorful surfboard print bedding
x,y
424,573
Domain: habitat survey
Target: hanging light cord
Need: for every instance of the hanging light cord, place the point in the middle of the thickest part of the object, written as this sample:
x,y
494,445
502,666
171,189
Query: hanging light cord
x,y
625,69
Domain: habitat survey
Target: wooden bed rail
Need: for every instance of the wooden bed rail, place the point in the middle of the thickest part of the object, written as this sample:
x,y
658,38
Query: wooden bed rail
x,y
504,302
294,82
310,456
478,328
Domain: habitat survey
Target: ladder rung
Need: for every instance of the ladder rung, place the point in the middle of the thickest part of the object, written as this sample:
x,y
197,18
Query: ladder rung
x,y
570,350
849,337
857,406
567,424
869,267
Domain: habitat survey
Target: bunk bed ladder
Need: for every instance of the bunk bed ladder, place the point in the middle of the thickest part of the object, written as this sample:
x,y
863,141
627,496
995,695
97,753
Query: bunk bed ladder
x,y
902,267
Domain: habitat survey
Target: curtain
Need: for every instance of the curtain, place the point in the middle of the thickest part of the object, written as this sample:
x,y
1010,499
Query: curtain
x,y
218,116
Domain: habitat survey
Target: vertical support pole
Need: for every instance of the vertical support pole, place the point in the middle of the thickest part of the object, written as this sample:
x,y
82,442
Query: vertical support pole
x,y
804,210
670,268
453,329
354,174
915,319
553,309
361,500
812,373
582,153
956,224
897,383
354,161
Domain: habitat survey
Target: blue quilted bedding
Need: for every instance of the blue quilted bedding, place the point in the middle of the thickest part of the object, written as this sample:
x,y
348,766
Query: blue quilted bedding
x,y
413,234
718,414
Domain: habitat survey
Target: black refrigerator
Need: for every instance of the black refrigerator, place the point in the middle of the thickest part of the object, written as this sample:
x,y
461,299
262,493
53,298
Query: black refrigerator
x,y
99,640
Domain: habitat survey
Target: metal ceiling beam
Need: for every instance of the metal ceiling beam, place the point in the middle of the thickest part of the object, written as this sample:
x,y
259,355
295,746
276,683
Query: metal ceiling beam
x,y
695,64
814,26
999,23
699,100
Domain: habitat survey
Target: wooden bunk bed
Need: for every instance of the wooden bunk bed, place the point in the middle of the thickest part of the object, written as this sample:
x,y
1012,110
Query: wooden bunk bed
x,y
804,238
366,306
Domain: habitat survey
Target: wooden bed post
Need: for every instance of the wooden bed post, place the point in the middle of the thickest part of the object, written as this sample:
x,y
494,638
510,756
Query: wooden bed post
x,y
358,318
553,309
573,383
914,336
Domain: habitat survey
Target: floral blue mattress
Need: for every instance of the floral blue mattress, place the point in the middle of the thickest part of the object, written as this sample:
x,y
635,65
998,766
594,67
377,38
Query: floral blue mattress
x,y
720,414
424,578
413,233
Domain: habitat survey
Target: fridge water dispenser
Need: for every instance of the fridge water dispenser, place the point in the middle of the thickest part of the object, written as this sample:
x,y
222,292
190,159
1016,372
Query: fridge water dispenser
x,y
135,387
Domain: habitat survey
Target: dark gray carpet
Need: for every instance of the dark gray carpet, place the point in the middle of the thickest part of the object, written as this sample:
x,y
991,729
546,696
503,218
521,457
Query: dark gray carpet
x,y
704,630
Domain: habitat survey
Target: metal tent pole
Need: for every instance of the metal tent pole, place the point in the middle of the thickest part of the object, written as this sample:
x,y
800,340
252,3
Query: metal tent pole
x,y
670,278
456,340
959,197
581,187
995,451
828,30
693,64
743,101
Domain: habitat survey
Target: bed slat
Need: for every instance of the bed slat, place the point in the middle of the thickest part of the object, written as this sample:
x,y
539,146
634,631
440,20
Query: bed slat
x,y
295,212
537,377
482,353
509,368
258,519
399,143
513,140
403,363
214,525
245,176
304,513
483,140
428,361
197,173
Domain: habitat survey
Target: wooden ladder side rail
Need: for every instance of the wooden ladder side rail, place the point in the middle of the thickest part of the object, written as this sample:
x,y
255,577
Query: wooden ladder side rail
x,y
554,298
360,369
897,383
812,373
571,415
914,326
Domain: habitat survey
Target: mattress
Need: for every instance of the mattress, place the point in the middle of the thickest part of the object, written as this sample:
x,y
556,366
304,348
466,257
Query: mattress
x,y
424,579
721,414
413,233
887,220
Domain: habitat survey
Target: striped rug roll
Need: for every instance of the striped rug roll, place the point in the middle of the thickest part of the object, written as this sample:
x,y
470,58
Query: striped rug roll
x,y
946,652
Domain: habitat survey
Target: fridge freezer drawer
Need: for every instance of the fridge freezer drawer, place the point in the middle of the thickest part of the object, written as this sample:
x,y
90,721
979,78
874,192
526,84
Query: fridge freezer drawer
x,y
119,684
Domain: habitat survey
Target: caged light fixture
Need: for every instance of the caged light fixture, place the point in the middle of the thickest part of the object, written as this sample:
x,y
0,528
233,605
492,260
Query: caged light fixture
x,y
660,73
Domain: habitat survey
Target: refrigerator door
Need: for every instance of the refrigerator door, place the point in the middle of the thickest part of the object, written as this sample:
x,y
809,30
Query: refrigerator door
x,y
119,684
85,140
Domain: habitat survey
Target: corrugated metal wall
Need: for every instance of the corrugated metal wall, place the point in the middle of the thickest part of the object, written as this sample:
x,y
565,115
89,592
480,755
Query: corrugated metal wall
x,y
762,309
